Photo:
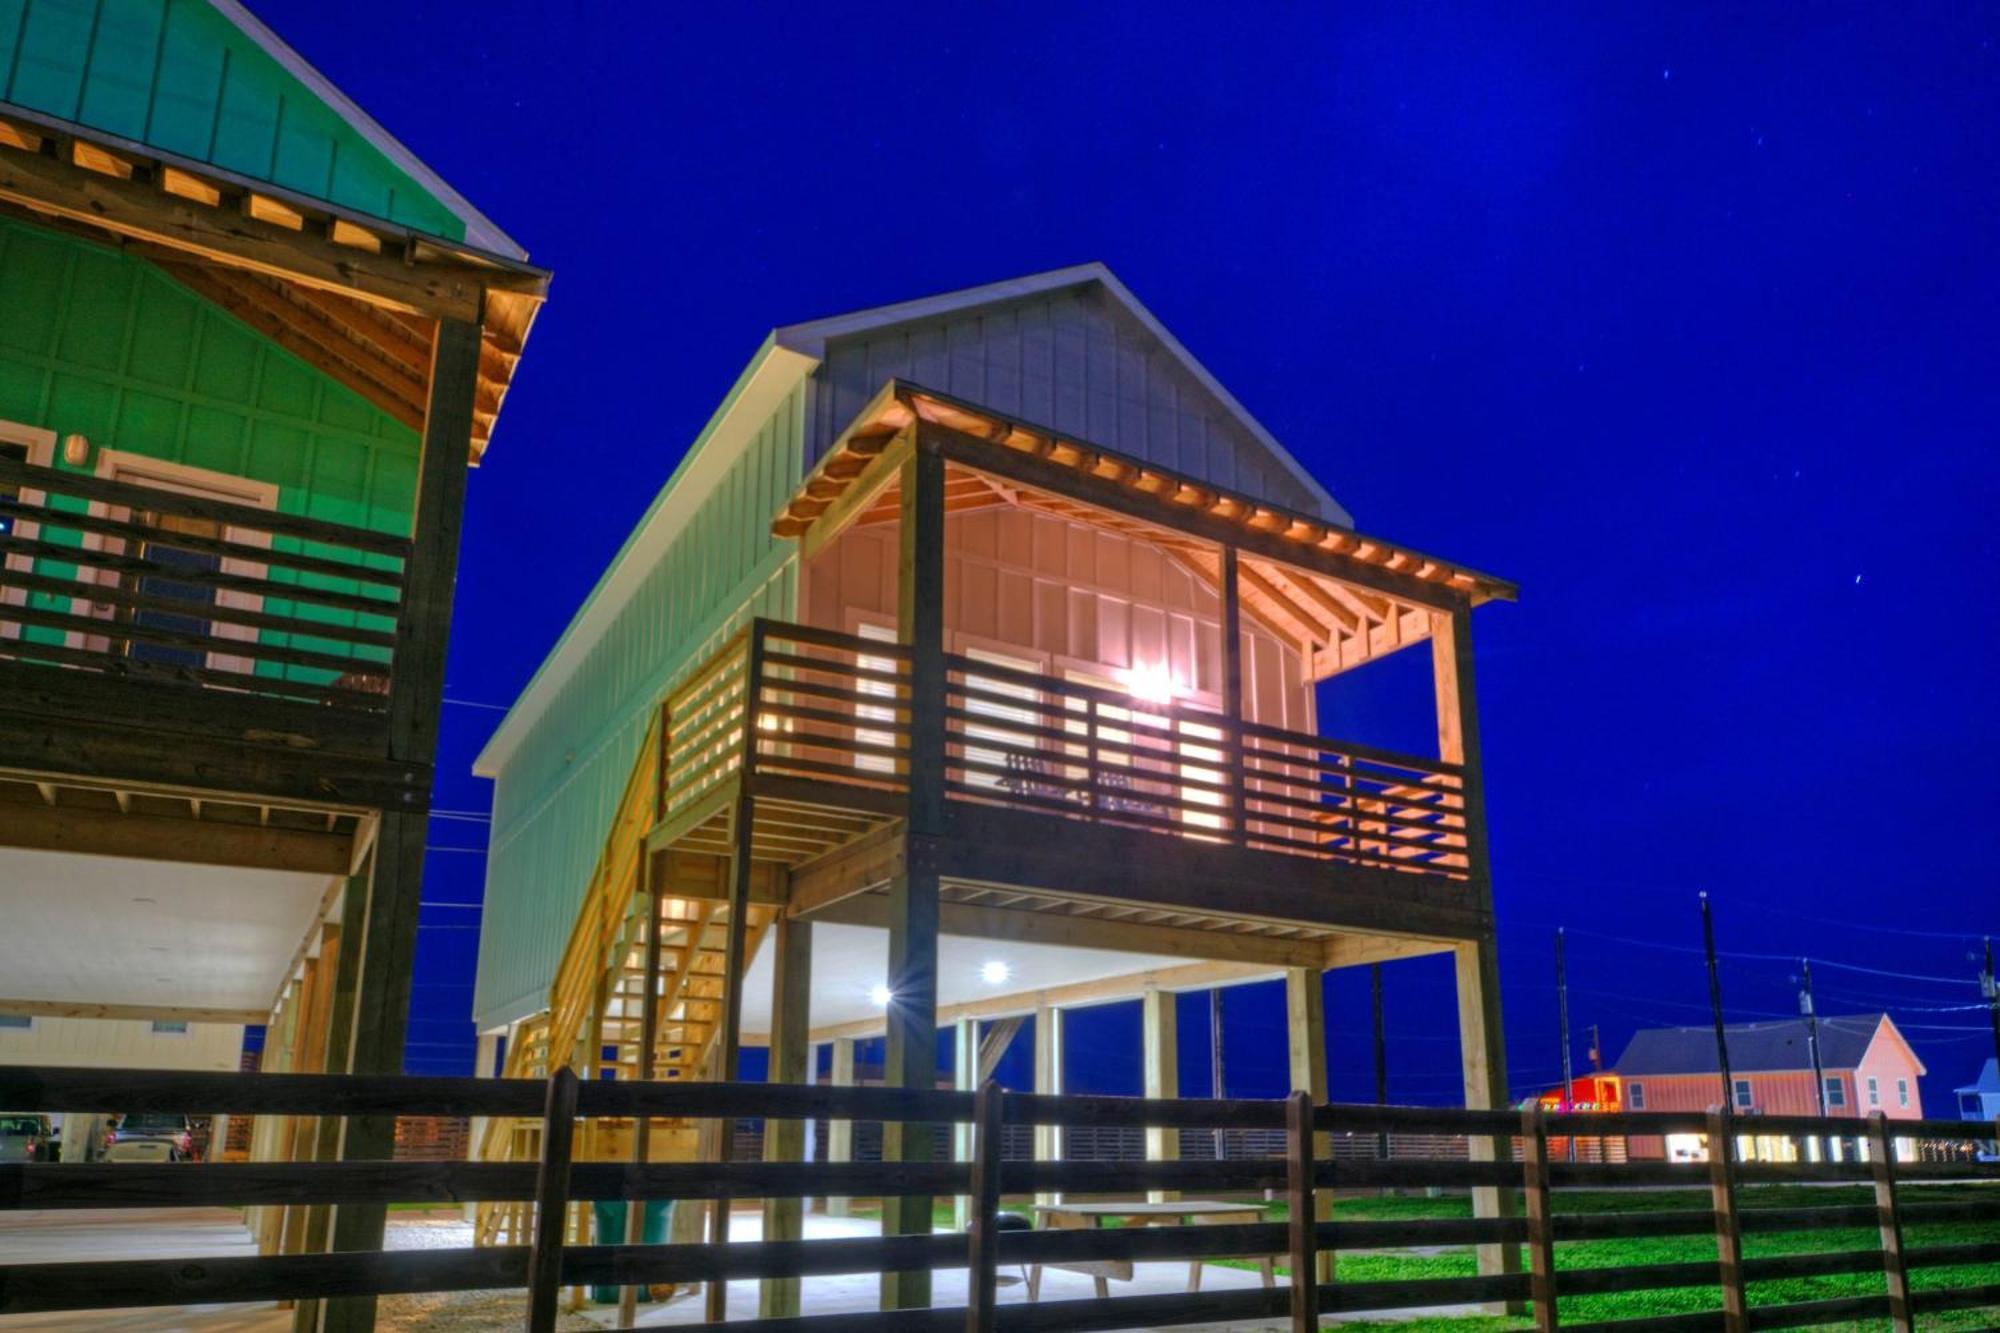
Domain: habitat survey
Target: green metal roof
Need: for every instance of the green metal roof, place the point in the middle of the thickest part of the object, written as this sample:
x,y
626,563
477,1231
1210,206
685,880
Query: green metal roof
x,y
205,80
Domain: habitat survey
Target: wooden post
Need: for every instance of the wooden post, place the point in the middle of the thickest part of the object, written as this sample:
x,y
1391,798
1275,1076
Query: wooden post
x,y
649,1040
339,1046
1302,1159
1882,1165
910,1049
840,1133
1305,1028
1541,1223
551,1201
784,1140
1048,1082
964,1078
1232,695
1728,1227
1160,1033
983,1233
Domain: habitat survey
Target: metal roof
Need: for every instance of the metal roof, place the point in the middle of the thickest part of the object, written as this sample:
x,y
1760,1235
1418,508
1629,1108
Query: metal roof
x,y
1754,1048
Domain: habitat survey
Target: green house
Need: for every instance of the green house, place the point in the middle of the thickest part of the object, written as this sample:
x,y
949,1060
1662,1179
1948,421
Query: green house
x,y
249,346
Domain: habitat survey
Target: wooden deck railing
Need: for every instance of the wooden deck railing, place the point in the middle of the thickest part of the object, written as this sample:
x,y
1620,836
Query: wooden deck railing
x,y
835,707
158,585
1303,1173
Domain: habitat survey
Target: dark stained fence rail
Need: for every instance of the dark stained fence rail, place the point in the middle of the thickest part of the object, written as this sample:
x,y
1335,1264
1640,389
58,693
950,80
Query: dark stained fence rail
x,y
1300,1172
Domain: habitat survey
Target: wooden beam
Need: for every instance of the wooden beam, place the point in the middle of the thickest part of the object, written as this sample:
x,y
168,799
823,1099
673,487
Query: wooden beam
x,y
868,862
444,287
164,1013
1357,950
971,921
69,828
876,477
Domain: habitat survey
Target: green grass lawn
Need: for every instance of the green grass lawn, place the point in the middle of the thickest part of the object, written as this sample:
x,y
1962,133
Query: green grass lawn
x,y
1399,1265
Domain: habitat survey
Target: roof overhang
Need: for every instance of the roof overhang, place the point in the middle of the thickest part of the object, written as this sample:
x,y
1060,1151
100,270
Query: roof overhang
x,y
981,439
354,296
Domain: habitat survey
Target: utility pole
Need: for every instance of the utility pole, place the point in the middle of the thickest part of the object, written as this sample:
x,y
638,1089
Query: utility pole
x,y
1562,1024
1381,1059
1596,1051
1715,1004
1811,1011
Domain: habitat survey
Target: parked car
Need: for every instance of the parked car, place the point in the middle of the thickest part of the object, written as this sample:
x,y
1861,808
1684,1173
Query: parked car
x,y
150,1136
28,1138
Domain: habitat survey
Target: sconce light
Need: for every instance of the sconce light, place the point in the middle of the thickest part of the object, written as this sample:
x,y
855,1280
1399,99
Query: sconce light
x,y
76,450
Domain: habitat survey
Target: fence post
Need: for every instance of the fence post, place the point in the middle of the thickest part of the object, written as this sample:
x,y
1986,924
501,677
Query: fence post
x,y
551,1201
1541,1224
1728,1228
1304,1217
982,1231
1882,1164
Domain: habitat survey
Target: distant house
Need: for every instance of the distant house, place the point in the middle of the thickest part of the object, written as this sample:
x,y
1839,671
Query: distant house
x,y
1980,1099
1867,1065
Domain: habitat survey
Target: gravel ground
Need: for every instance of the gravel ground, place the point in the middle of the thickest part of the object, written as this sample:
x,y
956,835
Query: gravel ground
x,y
457,1311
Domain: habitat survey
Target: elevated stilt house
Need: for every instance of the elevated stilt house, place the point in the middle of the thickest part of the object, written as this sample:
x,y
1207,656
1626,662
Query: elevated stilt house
x,y
249,346
963,671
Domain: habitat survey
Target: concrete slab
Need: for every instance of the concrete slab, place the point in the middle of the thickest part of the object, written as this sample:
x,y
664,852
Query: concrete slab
x,y
86,1235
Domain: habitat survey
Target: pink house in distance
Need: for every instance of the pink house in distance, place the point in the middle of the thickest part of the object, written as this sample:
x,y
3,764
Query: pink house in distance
x,y
1867,1065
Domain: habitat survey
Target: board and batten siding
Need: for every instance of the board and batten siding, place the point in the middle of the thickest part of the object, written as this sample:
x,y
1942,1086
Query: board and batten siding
x,y
1072,360
103,344
180,76
556,794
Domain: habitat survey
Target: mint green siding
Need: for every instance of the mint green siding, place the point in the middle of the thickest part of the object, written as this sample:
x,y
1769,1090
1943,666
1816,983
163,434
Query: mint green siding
x,y
100,344
557,794
180,76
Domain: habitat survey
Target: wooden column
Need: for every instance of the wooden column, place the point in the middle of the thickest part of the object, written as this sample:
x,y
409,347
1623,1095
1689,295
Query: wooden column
x,y
1049,1082
791,1050
1232,688
1482,1042
1305,1049
964,1078
910,1051
1160,1032
1309,1266
840,1133
1728,1225
423,628
1889,1219
1541,1219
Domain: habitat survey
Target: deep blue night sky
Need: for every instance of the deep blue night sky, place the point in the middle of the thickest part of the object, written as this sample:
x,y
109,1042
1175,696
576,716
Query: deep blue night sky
x,y
1680,316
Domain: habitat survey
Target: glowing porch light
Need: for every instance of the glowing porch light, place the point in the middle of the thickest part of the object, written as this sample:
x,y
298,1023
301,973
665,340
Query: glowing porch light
x,y
996,973
1152,684
879,996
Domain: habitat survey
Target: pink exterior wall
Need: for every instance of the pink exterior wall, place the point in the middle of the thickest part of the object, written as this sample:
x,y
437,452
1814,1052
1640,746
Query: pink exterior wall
x,y
1889,1058
1070,596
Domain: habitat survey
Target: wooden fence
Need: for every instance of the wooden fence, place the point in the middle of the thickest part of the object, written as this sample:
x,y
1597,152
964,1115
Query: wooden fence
x,y
1304,1242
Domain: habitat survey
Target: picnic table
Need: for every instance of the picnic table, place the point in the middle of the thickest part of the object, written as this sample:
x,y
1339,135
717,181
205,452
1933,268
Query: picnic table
x,y
1177,1212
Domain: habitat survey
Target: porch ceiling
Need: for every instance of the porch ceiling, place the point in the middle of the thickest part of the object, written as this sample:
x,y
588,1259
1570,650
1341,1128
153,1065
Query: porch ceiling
x,y
1336,625
99,930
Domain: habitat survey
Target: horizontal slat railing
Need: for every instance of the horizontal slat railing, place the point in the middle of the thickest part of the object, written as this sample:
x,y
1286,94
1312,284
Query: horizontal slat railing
x,y
159,586
990,1175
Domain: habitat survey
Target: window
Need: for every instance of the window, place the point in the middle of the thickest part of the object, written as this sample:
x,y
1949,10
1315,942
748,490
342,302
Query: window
x,y
1638,1091
1874,1092
1744,1098
1902,1092
168,1027
19,1022
29,445
1019,765
1836,1093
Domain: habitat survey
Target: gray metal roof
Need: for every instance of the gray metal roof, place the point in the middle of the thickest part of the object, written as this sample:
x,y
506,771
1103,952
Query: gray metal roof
x,y
1753,1047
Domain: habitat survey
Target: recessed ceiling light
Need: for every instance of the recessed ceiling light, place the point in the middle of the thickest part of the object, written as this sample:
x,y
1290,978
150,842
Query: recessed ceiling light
x,y
879,996
996,972
146,900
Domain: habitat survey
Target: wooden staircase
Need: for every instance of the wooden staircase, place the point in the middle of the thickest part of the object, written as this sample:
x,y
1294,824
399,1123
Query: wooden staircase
x,y
596,1017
